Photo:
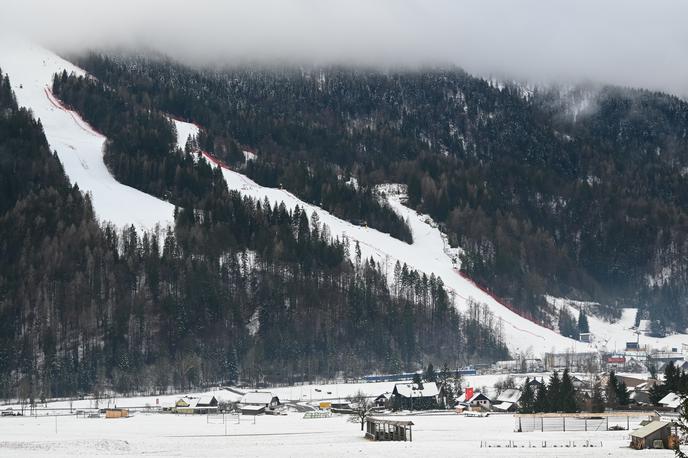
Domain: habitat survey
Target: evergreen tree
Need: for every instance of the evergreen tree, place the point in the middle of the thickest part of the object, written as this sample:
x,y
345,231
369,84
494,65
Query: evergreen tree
x,y
622,396
583,326
597,400
567,324
612,390
527,401
233,367
542,399
568,393
554,393
418,380
430,374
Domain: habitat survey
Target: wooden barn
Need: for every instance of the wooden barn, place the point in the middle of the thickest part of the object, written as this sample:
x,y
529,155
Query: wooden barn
x,y
410,396
656,434
379,429
116,413
260,398
202,405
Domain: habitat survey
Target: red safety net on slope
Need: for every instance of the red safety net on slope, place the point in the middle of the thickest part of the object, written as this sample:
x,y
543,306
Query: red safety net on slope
x,y
522,313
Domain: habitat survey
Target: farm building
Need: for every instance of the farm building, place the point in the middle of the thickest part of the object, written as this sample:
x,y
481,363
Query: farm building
x,y
534,384
507,401
671,401
340,406
251,409
571,361
640,397
189,405
116,413
410,396
260,398
382,400
656,434
379,429
474,399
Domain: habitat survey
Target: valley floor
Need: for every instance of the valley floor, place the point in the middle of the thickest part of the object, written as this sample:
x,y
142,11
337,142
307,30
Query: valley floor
x,y
292,435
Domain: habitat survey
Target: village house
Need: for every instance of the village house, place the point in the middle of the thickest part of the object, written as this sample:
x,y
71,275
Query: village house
x,y
192,405
260,398
475,399
585,337
671,401
411,396
575,362
534,384
382,400
252,409
507,401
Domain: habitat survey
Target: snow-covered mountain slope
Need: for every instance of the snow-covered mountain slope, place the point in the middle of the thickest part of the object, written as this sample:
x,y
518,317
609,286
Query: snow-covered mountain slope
x,y
80,148
428,254
613,336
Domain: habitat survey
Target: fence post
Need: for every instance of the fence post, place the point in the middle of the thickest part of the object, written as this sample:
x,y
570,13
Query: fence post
x,y
564,423
542,424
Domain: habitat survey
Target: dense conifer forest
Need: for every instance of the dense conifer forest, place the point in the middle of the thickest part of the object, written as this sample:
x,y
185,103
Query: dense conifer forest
x,y
577,192
236,289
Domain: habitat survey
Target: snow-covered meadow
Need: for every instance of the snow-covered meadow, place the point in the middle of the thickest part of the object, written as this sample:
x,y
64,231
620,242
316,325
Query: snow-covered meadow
x,y
291,435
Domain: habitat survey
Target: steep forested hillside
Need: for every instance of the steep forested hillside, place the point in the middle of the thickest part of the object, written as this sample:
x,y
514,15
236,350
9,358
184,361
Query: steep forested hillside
x,y
238,288
579,192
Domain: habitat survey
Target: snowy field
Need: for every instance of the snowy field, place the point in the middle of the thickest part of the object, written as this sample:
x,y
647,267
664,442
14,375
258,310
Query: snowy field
x,y
292,435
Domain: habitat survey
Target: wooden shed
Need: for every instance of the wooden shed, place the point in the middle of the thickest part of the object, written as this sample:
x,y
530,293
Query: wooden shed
x,y
116,413
252,410
656,434
379,429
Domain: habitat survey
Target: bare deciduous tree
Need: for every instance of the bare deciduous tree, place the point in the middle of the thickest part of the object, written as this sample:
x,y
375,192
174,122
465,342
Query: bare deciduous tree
x,y
360,405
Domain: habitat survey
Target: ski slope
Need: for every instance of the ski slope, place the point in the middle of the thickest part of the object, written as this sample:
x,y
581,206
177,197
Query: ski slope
x,y
79,147
428,254
613,336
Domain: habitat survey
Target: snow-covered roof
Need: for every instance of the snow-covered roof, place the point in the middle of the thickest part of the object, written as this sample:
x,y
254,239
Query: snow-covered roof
x,y
257,397
411,390
671,400
188,402
505,406
650,428
252,408
477,395
206,400
511,395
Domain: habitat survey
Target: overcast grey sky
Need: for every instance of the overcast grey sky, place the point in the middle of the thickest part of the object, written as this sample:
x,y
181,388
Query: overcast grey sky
x,y
628,42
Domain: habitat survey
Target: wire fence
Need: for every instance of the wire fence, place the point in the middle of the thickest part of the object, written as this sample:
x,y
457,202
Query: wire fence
x,y
541,444
564,422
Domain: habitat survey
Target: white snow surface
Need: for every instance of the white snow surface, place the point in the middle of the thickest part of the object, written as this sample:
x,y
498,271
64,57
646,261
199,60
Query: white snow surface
x,y
79,147
184,131
613,336
429,253
439,434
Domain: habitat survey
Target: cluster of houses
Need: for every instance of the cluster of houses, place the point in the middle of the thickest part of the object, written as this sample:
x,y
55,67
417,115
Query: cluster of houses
x,y
633,358
252,403
410,396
